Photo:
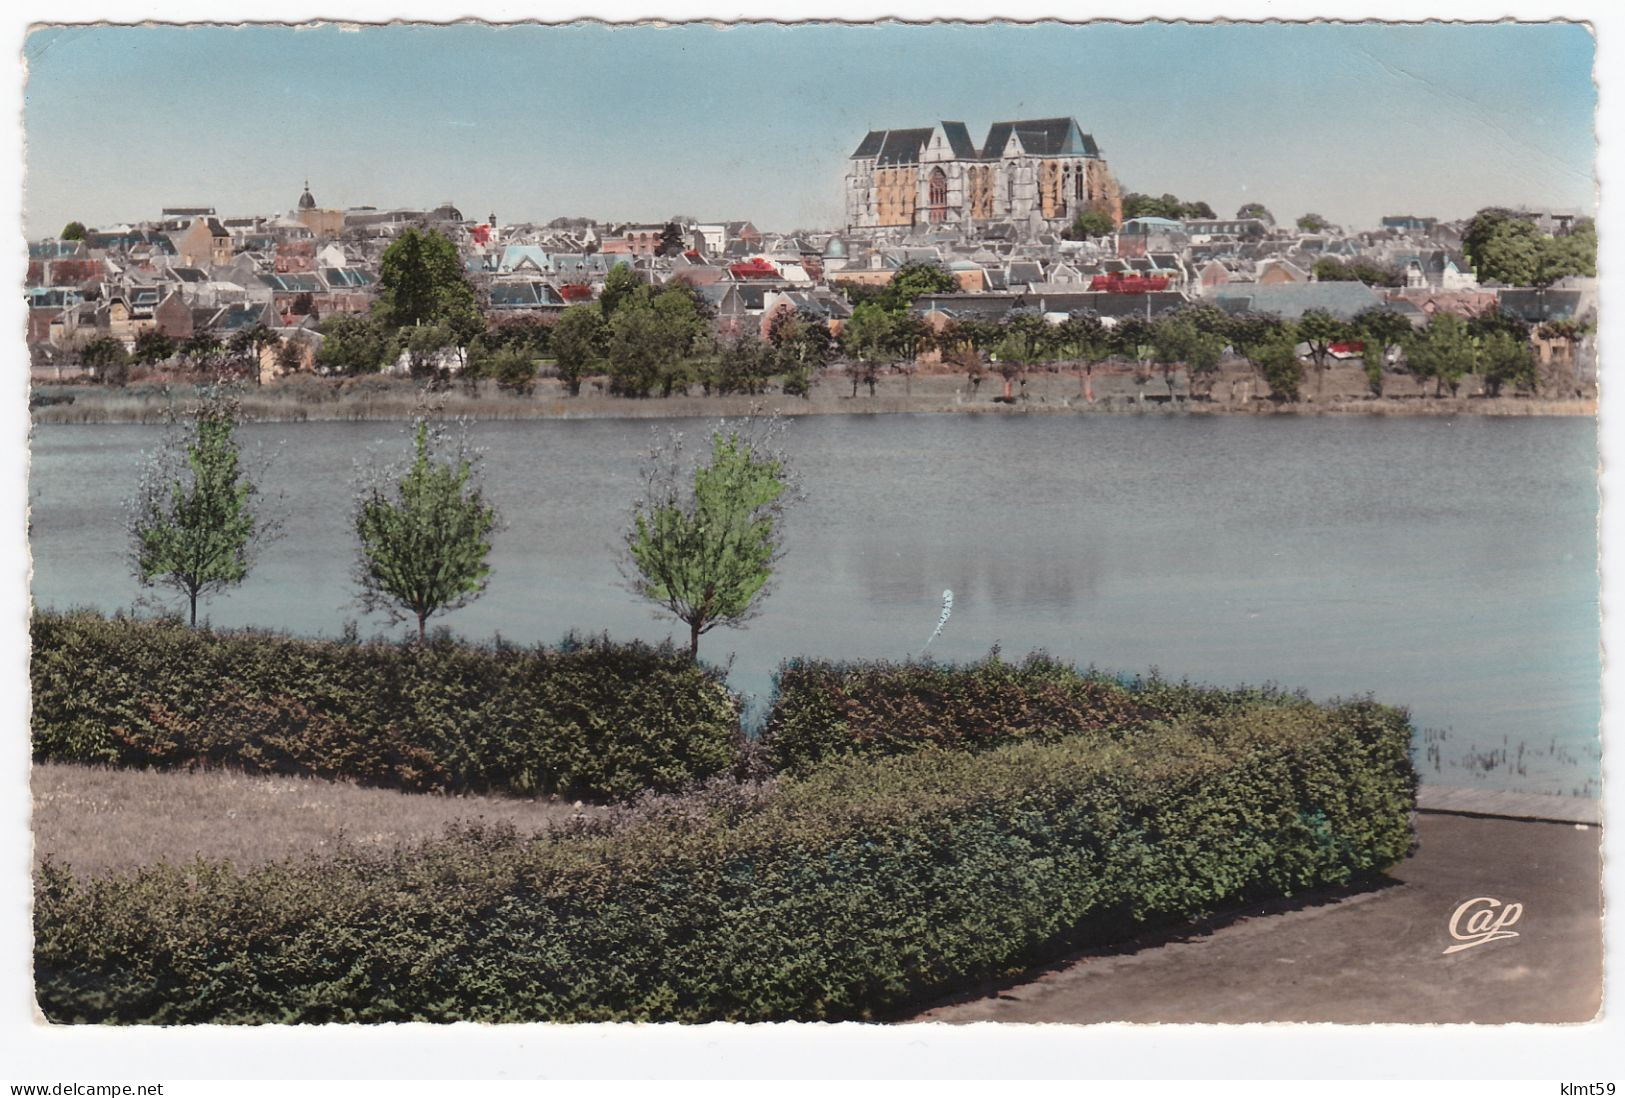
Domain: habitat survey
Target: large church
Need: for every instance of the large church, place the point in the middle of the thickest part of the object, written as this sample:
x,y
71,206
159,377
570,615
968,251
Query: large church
x,y
1037,174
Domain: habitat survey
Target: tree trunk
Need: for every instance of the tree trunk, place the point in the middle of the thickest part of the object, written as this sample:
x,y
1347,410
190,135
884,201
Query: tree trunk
x,y
694,640
421,632
193,599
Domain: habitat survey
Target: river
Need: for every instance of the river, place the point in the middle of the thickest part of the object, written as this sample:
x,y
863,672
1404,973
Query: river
x,y
1448,565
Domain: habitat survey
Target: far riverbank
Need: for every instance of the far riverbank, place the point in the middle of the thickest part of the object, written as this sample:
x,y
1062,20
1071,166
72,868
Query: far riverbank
x,y
1342,392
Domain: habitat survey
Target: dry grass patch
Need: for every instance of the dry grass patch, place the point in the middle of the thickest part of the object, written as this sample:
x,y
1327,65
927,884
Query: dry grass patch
x,y
99,819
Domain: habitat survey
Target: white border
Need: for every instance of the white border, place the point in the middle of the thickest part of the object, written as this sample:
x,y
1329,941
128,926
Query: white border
x,y
29,1052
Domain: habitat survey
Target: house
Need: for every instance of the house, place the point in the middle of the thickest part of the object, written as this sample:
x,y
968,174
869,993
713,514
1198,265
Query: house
x,y
524,296
205,242
1276,272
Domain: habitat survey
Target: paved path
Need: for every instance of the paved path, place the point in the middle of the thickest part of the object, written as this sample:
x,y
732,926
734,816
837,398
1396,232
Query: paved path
x,y
1371,956
1511,806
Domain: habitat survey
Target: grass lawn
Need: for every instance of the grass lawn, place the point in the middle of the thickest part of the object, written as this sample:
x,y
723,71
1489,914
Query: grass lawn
x,y
100,819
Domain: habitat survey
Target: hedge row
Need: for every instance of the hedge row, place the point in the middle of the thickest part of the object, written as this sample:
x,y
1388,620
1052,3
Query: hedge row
x,y
591,719
826,710
850,893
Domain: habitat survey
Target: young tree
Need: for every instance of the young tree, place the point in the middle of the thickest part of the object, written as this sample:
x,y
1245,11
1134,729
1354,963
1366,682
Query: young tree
x,y
1320,330
1504,359
671,240
421,283
1442,351
73,230
867,341
620,284
1021,345
106,357
152,347
1090,224
703,544
351,345
579,341
193,525
1313,223
514,370
911,281
424,531
1277,358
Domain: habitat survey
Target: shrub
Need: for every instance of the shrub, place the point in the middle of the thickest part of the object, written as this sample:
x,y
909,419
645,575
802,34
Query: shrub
x,y
825,710
593,719
850,893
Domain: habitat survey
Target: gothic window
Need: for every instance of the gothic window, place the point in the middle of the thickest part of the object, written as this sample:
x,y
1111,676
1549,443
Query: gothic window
x,y
938,194
1078,184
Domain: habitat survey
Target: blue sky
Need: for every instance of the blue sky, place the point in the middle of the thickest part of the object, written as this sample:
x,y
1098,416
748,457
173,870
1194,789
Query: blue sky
x,y
1351,121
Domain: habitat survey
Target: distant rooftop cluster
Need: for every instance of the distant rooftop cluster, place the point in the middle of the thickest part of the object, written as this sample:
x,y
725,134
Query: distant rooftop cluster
x,y
192,270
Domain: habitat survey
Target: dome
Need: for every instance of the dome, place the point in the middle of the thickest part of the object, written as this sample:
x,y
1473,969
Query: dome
x,y
307,201
835,249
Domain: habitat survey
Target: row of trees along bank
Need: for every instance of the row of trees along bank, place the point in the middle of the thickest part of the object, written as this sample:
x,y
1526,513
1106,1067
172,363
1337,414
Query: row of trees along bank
x,y
704,540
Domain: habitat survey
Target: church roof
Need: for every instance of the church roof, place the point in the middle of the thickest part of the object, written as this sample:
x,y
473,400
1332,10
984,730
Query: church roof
x,y
1036,136
1041,137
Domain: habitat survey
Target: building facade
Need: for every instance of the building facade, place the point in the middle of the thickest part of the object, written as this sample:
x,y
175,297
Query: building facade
x,y
1037,174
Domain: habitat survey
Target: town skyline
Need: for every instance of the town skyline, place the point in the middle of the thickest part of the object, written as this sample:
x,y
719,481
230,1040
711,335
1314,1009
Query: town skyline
x,y
1316,117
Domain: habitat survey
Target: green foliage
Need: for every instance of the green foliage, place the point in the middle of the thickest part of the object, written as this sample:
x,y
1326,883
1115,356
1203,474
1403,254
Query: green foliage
x,y
1255,209
1504,359
1320,330
911,281
867,341
671,240
1443,351
73,230
1382,325
852,893
192,523
424,533
1168,206
352,345
823,711
152,347
744,366
620,285
801,346
1090,224
1504,248
514,371
421,282
590,719
1180,340
107,357
1372,357
1276,356
1313,223
704,544
1251,334
650,338
1332,269
580,340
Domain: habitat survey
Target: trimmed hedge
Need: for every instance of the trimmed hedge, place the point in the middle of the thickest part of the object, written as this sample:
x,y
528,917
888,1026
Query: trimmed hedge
x,y
592,719
850,893
823,710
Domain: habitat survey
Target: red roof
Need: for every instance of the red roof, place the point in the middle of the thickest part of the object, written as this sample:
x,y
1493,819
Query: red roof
x,y
754,268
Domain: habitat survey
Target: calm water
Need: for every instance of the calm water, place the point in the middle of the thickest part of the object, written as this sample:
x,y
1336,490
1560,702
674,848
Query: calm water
x,y
1449,566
